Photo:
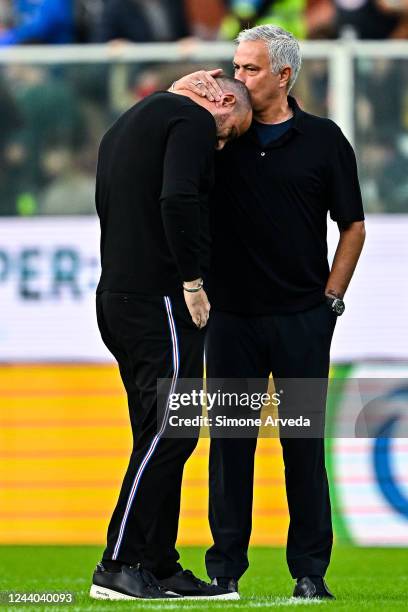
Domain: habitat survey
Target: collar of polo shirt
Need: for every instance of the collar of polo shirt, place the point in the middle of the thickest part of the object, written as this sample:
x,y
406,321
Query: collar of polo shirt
x,y
297,126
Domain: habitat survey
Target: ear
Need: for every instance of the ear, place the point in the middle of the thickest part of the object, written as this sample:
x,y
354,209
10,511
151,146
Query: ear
x,y
228,100
285,76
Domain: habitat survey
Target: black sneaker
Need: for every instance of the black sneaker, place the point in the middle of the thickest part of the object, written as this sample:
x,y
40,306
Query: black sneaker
x,y
127,583
312,588
231,584
190,587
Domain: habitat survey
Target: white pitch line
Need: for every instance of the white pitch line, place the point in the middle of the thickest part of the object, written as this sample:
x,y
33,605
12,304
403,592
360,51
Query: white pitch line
x,y
277,602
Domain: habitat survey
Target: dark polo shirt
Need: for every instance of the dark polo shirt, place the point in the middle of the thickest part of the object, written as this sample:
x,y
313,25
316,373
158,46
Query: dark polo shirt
x,y
269,216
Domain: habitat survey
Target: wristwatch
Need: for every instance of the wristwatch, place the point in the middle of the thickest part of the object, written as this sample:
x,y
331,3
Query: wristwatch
x,y
336,304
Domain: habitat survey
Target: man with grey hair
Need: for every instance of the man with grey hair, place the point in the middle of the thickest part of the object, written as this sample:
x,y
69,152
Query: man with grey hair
x,y
275,301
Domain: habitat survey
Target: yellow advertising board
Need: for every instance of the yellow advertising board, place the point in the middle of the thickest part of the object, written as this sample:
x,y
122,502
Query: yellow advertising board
x,y
65,441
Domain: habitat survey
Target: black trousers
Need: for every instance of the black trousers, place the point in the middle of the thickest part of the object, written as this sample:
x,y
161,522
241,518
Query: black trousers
x,y
151,338
290,346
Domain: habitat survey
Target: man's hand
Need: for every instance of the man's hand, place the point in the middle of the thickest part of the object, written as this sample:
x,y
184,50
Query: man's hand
x,y
202,83
198,305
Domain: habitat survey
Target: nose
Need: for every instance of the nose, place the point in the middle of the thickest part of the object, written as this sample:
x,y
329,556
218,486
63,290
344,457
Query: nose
x,y
239,75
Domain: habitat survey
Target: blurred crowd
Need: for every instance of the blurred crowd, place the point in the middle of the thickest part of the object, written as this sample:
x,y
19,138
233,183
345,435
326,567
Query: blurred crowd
x,y
82,21
52,116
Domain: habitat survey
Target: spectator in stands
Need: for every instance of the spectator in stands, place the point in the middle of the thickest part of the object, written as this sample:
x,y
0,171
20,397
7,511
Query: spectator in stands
x,y
384,178
381,131
87,16
10,156
304,18
205,17
5,15
40,21
52,117
371,19
398,8
71,191
393,180
380,97
311,87
143,21
288,14
10,116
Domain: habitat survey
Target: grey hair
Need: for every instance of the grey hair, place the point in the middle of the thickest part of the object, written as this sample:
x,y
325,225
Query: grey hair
x,y
283,48
238,89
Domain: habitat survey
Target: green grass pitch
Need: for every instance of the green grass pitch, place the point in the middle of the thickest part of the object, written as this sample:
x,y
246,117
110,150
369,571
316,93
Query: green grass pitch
x,y
361,578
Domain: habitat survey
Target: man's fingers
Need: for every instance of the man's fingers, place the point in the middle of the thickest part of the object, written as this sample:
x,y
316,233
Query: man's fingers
x,y
200,322
212,86
203,323
203,89
197,84
199,307
205,85
201,319
199,88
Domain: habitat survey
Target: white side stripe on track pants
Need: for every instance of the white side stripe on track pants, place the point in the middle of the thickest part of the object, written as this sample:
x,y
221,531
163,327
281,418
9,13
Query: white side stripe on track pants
x,y
152,447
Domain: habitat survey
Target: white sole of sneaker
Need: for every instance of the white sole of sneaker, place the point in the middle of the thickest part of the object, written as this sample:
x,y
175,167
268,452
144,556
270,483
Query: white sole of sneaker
x,y
229,596
98,592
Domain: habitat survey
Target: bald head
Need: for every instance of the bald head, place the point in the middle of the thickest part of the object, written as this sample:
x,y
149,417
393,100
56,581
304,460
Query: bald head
x,y
233,113
238,89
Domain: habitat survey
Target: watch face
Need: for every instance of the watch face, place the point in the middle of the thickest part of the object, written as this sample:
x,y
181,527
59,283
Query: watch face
x,y
338,306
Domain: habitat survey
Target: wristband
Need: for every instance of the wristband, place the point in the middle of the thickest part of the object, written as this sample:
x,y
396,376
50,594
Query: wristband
x,y
194,289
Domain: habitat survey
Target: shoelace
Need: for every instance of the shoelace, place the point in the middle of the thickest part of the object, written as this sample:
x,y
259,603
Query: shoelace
x,y
196,580
148,578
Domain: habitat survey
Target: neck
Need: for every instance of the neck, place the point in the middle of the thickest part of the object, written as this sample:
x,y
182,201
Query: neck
x,y
276,112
